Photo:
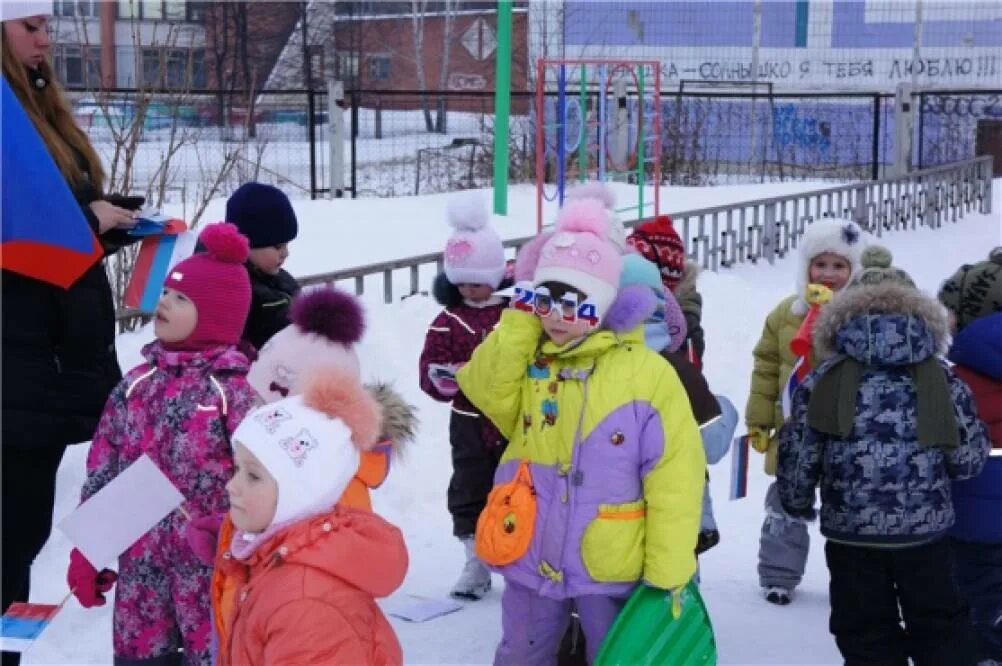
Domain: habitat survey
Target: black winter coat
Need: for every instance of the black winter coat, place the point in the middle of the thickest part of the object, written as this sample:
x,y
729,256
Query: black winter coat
x,y
269,310
58,361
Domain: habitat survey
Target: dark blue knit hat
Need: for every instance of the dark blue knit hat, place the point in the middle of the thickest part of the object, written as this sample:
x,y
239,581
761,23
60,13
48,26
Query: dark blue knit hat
x,y
263,214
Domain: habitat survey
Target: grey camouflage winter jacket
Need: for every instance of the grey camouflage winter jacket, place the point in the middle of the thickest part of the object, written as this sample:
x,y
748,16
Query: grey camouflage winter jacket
x,y
879,486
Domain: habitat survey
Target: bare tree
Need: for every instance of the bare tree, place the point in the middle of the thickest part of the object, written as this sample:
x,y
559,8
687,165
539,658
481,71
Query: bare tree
x,y
418,10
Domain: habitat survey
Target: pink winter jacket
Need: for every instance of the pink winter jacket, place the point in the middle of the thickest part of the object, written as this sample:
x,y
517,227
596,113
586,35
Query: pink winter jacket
x,y
179,408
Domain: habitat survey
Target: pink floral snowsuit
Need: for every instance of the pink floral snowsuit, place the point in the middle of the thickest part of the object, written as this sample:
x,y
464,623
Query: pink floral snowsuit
x,y
179,408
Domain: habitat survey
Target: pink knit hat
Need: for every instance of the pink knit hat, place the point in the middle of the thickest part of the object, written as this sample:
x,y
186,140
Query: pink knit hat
x,y
579,254
326,324
474,254
217,283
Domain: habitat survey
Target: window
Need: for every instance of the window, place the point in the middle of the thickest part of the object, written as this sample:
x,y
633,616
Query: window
x,y
379,68
128,9
176,73
174,10
197,68
158,10
78,66
153,9
151,67
347,65
82,8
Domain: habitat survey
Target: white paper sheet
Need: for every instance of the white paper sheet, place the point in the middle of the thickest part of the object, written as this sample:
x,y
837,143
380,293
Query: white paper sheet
x,y
116,516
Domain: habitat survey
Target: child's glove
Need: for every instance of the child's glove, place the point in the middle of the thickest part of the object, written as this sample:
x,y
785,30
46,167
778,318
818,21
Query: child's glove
x,y
759,438
443,377
818,294
202,534
87,583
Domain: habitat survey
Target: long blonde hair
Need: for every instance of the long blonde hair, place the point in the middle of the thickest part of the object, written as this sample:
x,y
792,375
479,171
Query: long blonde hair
x,y
51,115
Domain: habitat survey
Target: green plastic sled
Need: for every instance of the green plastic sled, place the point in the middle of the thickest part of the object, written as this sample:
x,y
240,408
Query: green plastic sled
x,y
646,633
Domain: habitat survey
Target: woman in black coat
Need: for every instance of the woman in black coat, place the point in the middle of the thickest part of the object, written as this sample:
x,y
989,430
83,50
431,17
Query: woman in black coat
x,y
59,362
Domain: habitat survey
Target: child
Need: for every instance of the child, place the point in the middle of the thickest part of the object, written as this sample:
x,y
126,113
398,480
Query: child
x,y
882,425
665,332
474,269
308,569
265,216
178,408
326,325
829,254
600,486
658,242
973,295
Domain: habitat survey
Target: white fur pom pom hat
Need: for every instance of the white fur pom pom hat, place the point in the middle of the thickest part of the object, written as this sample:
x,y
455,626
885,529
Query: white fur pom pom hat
x,y
311,443
835,235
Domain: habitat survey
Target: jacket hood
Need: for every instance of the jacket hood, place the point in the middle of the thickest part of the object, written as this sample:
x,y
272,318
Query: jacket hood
x,y
400,420
885,324
224,358
690,273
354,545
979,346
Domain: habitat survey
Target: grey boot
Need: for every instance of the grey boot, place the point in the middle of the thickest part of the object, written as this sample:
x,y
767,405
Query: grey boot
x,y
475,580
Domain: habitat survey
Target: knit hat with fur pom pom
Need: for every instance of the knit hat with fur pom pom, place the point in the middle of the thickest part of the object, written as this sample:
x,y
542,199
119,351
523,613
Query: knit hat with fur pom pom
x,y
217,283
580,255
474,254
596,189
326,325
311,443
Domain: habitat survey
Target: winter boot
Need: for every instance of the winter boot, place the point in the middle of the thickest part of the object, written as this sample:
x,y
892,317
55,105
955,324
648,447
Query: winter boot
x,y
475,580
778,595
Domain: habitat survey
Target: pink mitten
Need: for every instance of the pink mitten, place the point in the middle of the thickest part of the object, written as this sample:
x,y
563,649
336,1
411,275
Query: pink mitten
x,y
87,583
202,534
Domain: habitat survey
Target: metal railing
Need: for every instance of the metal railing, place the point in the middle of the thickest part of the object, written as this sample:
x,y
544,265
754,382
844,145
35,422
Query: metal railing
x,y
720,236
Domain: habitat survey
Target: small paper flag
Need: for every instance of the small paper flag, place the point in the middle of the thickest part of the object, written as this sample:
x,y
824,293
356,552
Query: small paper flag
x,y
23,623
157,255
739,467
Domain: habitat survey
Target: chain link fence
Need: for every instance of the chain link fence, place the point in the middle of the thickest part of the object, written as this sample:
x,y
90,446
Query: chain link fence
x,y
203,144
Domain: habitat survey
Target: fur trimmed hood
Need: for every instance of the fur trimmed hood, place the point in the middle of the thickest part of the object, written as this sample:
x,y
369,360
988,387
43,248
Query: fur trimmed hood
x,y
854,310
687,283
400,420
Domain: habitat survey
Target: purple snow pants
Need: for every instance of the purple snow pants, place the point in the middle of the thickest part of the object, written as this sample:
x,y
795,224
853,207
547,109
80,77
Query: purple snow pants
x,y
533,626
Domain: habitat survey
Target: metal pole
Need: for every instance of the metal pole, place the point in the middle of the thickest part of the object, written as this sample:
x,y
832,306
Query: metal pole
x,y
354,145
561,131
875,170
311,130
641,153
582,117
540,139
335,107
502,107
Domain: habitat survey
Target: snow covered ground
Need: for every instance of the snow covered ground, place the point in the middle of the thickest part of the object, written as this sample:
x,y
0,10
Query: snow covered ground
x,y
349,233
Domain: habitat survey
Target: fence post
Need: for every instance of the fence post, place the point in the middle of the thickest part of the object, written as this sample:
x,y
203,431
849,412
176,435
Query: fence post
x,y
921,131
311,135
335,118
875,171
378,129
769,232
354,145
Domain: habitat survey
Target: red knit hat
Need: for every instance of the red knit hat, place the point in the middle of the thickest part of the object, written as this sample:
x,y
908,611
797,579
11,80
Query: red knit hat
x,y
217,283
660,244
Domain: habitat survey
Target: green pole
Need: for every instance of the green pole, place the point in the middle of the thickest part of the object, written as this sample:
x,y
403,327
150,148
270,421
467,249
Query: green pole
x,y
502,107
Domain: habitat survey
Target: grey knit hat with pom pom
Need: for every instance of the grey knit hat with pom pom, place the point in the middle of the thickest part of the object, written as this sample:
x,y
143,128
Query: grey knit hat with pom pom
x,y
975,290
877,269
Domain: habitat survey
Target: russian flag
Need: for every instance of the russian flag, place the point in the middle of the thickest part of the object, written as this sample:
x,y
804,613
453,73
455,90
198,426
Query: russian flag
x,y
739,468
45,234
23,623
157,255
801,369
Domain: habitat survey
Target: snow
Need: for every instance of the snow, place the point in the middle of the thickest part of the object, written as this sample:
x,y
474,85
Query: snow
x,y
337,234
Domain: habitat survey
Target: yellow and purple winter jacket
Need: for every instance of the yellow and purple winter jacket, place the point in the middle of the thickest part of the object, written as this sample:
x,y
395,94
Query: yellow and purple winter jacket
x,y
614,451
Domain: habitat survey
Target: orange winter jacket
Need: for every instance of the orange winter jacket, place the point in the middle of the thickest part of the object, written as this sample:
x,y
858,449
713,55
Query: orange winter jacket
x,y
307,595
372,471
